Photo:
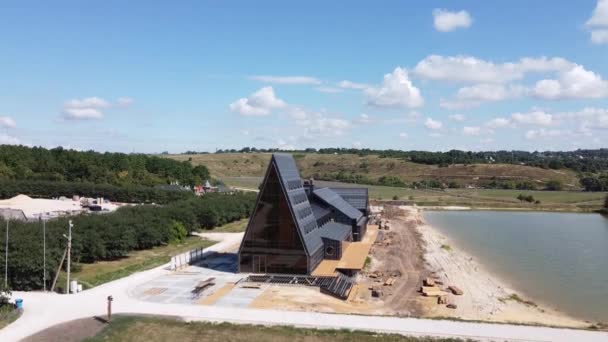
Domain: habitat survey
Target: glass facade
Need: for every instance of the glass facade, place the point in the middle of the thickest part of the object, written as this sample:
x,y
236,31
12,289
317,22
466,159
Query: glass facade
x,y
272,243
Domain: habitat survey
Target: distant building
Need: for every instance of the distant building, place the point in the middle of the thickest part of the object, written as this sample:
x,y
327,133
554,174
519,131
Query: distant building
x,y
205,188
295,227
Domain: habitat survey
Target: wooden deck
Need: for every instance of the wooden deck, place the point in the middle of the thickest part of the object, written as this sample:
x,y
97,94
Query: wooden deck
x,y
353,256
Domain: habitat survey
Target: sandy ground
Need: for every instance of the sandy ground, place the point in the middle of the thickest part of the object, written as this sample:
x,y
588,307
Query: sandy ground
x,y
485,296
398,253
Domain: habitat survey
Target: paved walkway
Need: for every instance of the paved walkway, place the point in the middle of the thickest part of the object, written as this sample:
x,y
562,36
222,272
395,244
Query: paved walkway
x,y
43,310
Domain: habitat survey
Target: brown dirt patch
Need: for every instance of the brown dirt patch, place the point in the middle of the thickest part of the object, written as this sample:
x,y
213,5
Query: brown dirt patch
x,y
398,254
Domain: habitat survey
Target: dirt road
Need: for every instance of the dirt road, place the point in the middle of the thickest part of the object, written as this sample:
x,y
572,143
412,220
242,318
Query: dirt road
x,y
398,252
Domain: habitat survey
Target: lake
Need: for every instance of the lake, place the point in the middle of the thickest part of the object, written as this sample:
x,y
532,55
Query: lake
x,y
557,259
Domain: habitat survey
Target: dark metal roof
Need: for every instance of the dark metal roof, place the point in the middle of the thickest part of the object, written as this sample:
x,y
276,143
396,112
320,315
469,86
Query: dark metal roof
x,y
319,211
335,231
333,199
298,201
357,197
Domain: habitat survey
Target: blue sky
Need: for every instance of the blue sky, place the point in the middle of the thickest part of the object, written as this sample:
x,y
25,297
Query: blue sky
x,y
151,76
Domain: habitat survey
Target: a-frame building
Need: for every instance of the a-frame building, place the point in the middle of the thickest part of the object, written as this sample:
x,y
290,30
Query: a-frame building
x,y
295,227
282,235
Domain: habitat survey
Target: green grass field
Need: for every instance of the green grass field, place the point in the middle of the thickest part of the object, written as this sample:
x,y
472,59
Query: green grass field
x,y
91,275
477,198
150,329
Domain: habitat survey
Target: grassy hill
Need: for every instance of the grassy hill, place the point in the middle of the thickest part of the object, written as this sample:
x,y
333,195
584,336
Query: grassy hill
x,y
323,166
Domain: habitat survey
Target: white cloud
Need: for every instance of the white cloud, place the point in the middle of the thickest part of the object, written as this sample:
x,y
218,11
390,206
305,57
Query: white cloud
x,y
363,119
317,124
82,113
600,14
396,91
589,118
457,117
403,135
260,103
471,130
357,144
446,21
575,83
352,85
598,23
543,133
498,123
469,69
91,107
89,102
7,122
536,117
599,36
8,140
286,79
433,124
329,90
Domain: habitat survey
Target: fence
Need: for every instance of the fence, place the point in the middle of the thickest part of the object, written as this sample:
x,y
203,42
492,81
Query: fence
x,y
187,258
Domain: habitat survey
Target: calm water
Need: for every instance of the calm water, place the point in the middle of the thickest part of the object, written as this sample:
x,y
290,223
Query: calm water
x,y
560,259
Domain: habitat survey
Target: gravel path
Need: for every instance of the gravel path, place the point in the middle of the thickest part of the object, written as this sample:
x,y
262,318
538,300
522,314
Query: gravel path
x,y
44,310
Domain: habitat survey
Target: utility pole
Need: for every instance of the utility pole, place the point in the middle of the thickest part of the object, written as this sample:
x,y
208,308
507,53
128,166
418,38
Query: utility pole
x,y
44,254
69,252
6,258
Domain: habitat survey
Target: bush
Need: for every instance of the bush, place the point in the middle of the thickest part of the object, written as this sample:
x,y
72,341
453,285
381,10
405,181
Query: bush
x,y
554,185
126,194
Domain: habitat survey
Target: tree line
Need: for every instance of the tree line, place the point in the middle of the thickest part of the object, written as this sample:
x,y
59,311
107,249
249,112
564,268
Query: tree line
x,y
111,236
120,169
395,181
125,194
588,160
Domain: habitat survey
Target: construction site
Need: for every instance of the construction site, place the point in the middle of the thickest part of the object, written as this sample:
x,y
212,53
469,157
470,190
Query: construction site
x,y
308,249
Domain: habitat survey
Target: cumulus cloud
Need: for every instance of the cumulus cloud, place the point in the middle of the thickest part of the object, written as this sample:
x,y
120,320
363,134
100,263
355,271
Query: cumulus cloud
x,y
7,122
8,140
471,130
457,117
397,90
543,133
286,79
316,123
498,123
599,36
536,117
468,69
85,109
91,107
446,21
403,135
433,124
363,119
598,23
575,83
589,118
352,85
260,103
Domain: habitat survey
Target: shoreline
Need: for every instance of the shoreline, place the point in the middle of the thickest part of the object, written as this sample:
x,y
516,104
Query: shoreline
x,y
487,297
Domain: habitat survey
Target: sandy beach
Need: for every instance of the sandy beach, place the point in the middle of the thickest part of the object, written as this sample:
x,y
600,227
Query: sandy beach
x,y
486,297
